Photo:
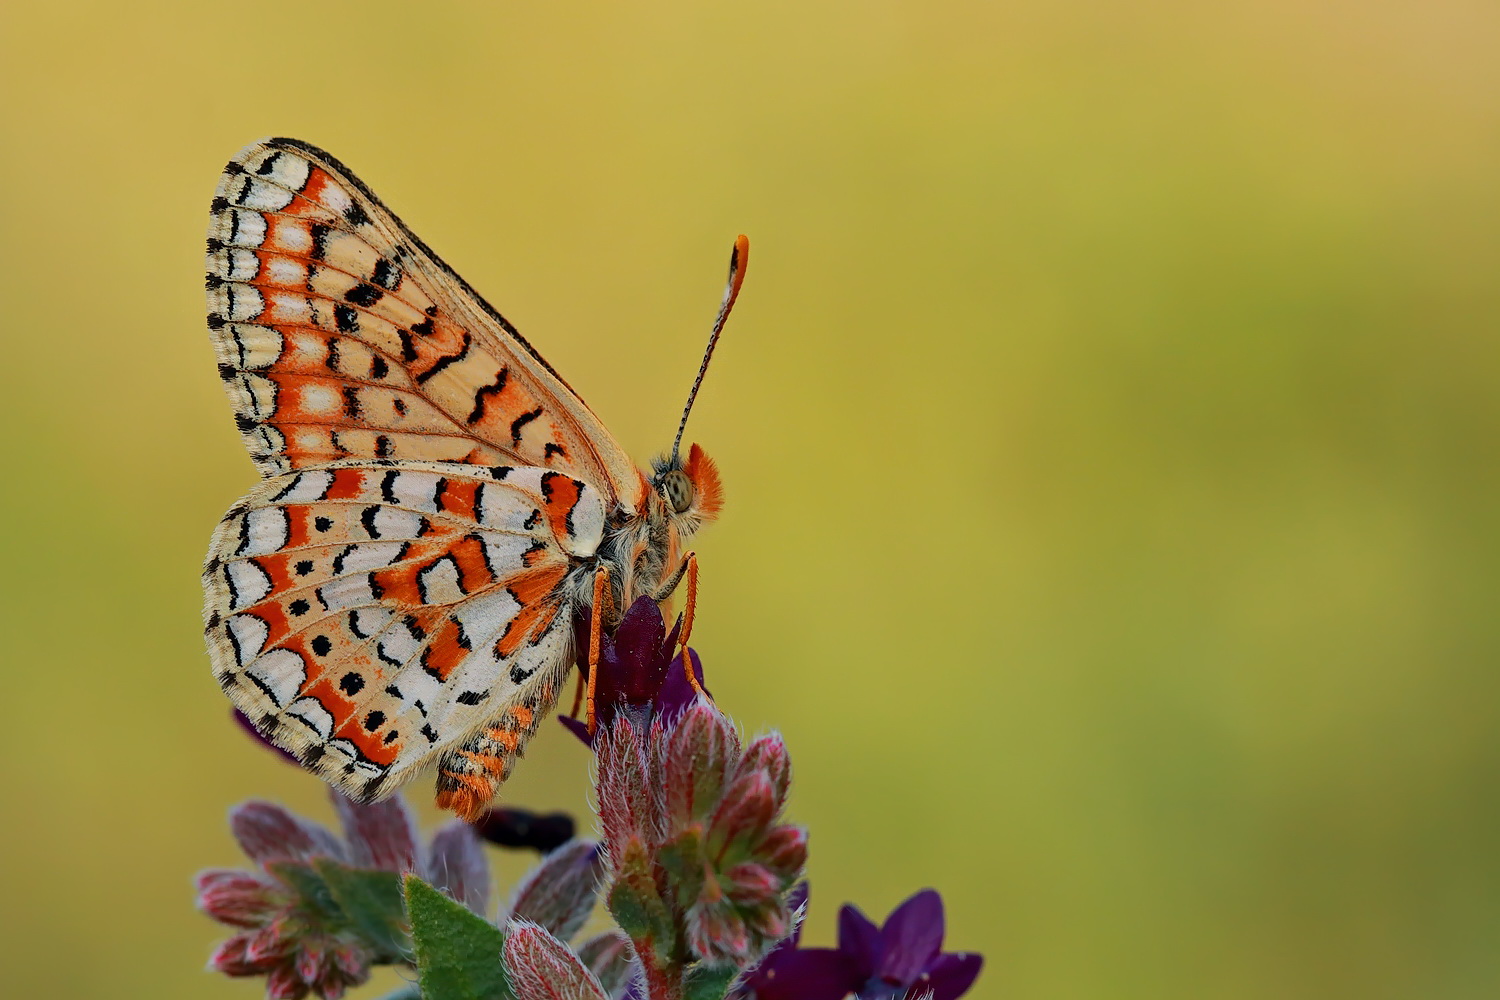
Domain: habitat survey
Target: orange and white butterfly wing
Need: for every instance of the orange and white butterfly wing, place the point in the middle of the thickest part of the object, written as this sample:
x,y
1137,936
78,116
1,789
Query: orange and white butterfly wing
x,y
374,619
340,335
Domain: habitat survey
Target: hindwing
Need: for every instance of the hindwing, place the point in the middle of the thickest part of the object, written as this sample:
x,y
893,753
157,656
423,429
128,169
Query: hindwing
x,y
371,617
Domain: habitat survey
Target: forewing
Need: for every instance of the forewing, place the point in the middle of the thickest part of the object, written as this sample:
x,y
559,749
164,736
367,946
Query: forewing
x,y
340,335
369,618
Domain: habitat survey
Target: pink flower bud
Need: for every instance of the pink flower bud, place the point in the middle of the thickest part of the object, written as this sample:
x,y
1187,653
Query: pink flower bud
x,y
771,922
270,942
541,967
237,898
784,851
701,749
283,984
744,813
627,806
352,962
768,753
750,884
717,934
267,832
229,958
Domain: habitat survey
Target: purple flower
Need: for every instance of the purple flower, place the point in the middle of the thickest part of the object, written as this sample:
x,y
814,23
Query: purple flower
x,y
640,670
902,959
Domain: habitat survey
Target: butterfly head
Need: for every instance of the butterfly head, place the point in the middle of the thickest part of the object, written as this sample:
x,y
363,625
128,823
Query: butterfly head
x,y
690,490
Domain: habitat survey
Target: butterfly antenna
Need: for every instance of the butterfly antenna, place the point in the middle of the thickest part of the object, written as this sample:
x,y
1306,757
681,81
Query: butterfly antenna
x,y
738,258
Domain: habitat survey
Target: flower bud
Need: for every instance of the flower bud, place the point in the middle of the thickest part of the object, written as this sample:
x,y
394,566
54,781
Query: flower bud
x,y
267,832
750,884
229,958
744,813
700,751
768,753
283,983
717,934
239,899
784,851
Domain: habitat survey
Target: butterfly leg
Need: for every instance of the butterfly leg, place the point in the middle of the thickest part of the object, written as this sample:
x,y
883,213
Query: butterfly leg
x,y
690,564
596,626
665,593
471,774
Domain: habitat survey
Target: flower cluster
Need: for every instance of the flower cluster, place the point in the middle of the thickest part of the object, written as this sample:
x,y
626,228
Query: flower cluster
x,y
701,866
700,875
299,919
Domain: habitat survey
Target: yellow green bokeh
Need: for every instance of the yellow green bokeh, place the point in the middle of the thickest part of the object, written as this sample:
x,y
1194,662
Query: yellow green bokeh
x,y
1109,425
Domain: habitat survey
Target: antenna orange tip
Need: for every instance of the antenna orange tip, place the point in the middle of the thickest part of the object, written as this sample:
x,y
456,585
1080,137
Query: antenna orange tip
x,y
737,264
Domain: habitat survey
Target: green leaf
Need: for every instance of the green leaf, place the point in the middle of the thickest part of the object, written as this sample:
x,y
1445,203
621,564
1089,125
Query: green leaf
x,y
709,982
313,896
641,913
371,901
458,953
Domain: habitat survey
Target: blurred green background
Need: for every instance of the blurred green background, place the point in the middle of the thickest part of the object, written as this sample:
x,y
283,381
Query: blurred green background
x,y
1109,424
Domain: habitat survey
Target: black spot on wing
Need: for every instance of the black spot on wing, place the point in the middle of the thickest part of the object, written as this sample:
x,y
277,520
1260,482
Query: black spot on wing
x,y
319,240
519,424
363,295
387,275
446,360
485,391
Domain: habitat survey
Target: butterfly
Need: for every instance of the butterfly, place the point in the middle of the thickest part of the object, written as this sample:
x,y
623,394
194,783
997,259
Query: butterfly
x,y
437,506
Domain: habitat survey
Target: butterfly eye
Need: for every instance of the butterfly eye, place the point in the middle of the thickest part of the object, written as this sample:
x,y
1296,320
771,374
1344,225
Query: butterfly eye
x,y
679,490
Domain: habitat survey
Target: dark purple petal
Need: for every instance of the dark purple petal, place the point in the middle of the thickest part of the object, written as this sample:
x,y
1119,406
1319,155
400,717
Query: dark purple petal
x,y
637,649
860,940
521,828
804,974
455,864
950,976
911,938
676,693
381,835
